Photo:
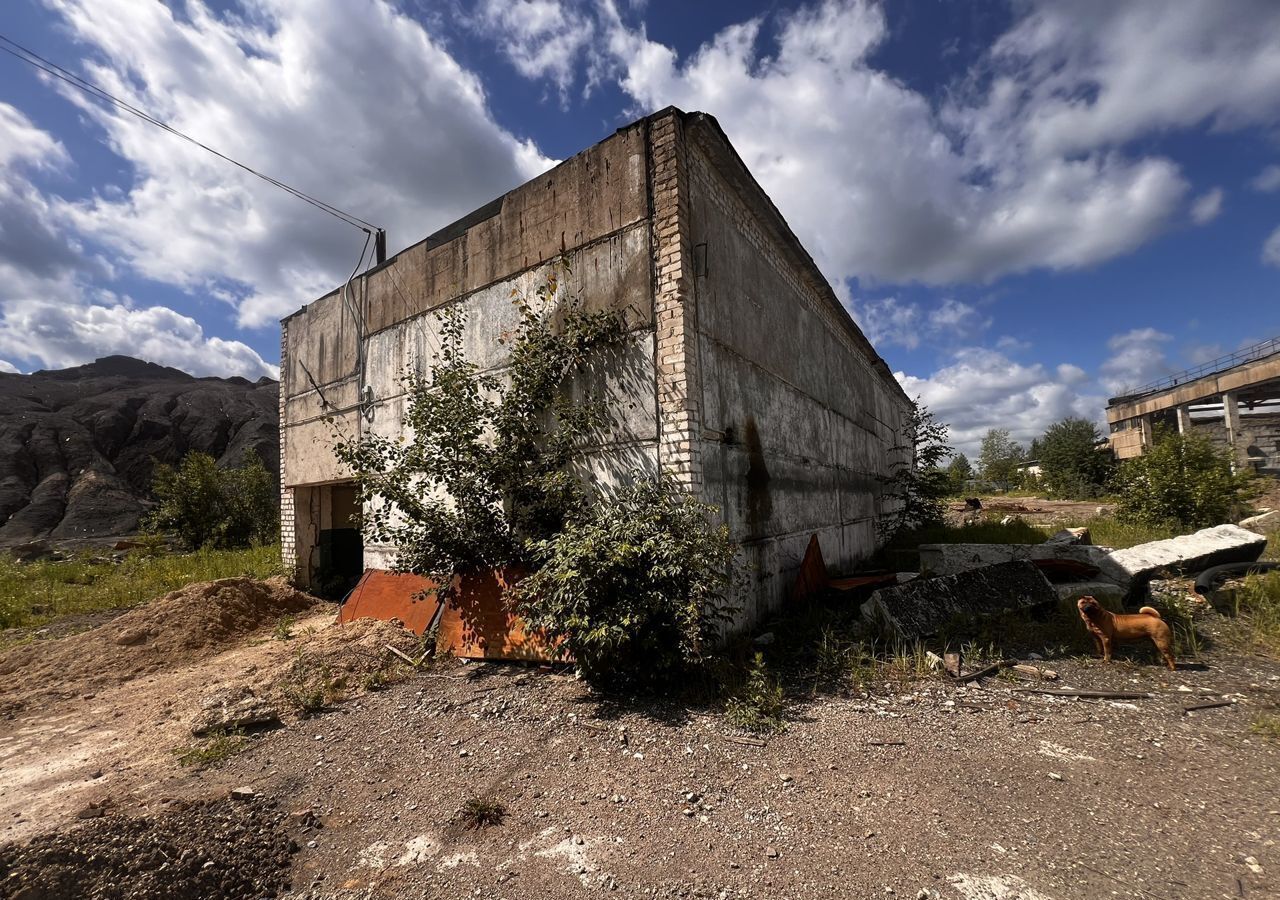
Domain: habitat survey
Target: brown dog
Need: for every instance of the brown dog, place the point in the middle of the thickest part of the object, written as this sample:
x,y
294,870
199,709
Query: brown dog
x,y
1107,628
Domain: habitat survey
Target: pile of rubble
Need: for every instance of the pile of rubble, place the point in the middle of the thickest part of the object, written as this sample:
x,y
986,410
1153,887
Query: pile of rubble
x,y
976,579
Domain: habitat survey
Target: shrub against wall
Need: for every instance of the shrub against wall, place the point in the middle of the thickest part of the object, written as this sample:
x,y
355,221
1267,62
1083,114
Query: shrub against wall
x,y
637,585
1183,480
917,482
207,506
632,583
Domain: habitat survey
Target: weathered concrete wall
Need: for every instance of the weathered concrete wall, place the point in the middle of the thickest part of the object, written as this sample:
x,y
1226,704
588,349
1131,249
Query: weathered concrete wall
x,y
344,356
798,418
1259,432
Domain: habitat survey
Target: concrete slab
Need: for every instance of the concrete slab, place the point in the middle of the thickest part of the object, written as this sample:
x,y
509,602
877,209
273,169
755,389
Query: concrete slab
x,y
923,606
1190,552
1264,522
952,559
1109,594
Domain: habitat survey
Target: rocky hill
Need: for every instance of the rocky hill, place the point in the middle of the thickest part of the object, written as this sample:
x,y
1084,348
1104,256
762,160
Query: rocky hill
x,y
78,446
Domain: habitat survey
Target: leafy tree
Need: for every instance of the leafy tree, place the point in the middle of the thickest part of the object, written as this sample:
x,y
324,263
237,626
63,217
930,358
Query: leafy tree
x,y
208,506
959,472
1071,462
999,457
487,469
636,585
1182,481
917,481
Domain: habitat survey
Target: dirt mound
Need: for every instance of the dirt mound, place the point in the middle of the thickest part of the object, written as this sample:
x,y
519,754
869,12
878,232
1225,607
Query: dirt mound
x,y
218,849
323,667
180,628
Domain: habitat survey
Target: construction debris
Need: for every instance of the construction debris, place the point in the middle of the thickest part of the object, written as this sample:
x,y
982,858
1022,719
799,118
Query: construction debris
x,y
1085,694
1191,552
923,606
952,559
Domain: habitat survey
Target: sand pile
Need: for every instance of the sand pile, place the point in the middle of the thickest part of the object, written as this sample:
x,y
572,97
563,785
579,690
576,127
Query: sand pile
x,y
187,625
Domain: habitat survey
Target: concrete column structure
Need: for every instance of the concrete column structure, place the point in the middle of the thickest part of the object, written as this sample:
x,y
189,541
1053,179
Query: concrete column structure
x,y
1231,419
1148,434
1184,419
288,531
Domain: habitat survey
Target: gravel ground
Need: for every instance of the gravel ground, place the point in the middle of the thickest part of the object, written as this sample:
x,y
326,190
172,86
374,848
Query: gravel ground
x,y
226,848
927,790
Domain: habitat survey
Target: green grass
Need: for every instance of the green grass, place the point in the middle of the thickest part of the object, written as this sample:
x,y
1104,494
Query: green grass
x,y
482,812
1266,725
1016,532
1107,531
1257,602
216,749
38,592
758,705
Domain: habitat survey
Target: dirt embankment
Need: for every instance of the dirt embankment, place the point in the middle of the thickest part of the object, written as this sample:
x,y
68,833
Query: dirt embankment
x,y
179,629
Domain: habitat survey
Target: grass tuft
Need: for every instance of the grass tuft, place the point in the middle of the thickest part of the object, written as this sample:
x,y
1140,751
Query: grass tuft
x,y
758,705
482,812
214,750
1266,725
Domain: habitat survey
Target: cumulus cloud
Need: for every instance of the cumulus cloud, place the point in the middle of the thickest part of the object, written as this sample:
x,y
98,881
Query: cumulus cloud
x,y
353,102
1271,249
48,314
541,38
1137,358
981,389
1267,180
888,321
61,335
1208,206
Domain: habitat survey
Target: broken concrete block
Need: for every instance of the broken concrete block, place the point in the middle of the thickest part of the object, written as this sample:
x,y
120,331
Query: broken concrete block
x,y
951,559
1190,552
232,708
1070,536
923,606
1264,522
1109,594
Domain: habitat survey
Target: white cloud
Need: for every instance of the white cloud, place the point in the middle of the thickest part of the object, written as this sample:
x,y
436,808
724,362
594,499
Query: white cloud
x,y
1208,206
875,183
889,321
1267,180
47,315
61,335
983,389
541,38
350,101
1271,249
1137,358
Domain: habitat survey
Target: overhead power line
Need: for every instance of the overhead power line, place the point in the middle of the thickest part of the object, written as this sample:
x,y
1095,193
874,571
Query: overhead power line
x,y
16,50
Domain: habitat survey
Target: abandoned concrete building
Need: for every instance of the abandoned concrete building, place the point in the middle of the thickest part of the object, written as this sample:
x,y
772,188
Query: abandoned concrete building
x,y
1234,400
745,376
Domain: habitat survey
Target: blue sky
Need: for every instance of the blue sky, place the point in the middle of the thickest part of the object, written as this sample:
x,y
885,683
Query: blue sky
x,y
1028,206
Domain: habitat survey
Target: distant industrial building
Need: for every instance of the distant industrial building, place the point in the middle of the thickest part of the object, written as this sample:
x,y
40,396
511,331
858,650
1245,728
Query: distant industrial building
x,y
1235,400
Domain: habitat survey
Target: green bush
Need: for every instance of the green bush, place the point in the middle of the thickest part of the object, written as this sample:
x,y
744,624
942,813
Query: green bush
x,y
1183,481
636,586
917,486
207,506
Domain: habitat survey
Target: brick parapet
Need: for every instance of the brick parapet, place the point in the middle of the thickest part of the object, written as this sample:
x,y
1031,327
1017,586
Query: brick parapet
x,y
675,305
288,531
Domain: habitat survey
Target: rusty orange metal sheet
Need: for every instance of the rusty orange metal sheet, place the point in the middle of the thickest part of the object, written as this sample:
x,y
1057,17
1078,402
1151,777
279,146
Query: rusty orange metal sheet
x,y
392,595
475,623
478,623
811,579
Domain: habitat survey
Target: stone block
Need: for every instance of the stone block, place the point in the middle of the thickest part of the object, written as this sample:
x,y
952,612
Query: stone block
x,y
1109,594
952,559
1264,522
1190,552
924,605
